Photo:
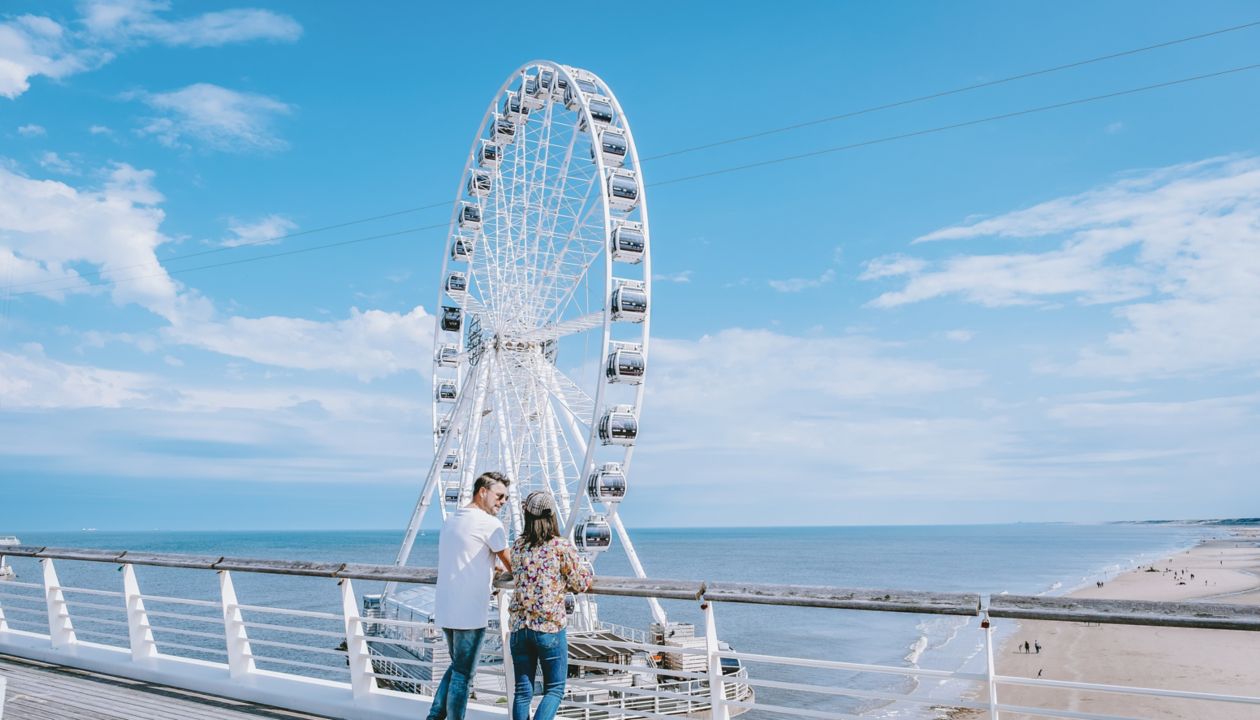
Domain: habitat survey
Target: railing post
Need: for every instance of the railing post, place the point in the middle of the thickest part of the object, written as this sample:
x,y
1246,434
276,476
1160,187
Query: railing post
x,y
143,647
362,683
240,656
505,633
990,671
717,690
60,628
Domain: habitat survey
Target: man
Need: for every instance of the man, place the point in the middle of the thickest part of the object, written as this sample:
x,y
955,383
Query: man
x,y
471,540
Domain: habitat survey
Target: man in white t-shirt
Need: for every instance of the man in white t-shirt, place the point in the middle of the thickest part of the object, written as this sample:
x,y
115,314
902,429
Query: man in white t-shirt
x,y
472,538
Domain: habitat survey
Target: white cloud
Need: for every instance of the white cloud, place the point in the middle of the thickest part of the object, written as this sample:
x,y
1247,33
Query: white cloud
x,y
100,130
368,344
892,266
48,226
138,21
32,130
795,285
31,380
678,277
215,116
1113,128
1183,240
959,336
266,231
31,46
54,162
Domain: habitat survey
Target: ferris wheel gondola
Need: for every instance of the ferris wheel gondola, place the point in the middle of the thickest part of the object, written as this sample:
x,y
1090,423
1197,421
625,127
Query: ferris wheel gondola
x,y
543,335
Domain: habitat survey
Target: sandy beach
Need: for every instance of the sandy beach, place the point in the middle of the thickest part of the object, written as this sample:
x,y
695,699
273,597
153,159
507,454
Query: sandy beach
x,y
1228,662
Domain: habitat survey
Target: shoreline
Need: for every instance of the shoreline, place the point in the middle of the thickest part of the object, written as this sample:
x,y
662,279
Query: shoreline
x,y
1224,569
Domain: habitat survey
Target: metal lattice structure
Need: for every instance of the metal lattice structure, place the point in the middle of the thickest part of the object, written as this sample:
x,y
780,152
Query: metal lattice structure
x,y
541,341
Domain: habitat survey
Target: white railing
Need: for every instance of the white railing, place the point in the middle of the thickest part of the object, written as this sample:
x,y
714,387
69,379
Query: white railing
x,y
326,662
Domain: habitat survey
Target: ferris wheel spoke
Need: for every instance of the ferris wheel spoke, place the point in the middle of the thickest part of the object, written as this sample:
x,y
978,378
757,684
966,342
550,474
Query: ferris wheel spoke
x,y
555,331
575,400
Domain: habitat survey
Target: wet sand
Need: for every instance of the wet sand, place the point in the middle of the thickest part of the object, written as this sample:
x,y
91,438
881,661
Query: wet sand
x,y
1218,661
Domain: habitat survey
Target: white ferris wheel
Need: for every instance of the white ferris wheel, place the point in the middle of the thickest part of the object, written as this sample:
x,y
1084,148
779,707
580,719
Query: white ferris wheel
x,y
541,339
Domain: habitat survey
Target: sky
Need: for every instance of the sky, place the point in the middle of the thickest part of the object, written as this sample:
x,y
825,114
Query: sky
x,y
961,313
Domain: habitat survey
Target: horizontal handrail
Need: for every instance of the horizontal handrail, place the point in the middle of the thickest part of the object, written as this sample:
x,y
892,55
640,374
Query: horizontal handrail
x,y
1023,607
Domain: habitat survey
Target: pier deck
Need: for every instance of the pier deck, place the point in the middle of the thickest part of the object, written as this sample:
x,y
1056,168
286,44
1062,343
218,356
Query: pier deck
x,y
42,691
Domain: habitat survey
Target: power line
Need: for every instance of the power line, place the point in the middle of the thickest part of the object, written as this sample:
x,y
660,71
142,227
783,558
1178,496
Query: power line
x,y
954,126
955,91
705,146
722,171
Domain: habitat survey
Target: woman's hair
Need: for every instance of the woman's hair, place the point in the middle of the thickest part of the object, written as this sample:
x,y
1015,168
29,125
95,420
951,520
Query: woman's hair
x,y
540,520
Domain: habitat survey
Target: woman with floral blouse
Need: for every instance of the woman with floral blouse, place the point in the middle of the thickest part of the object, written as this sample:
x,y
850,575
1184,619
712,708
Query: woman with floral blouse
x,y
546,568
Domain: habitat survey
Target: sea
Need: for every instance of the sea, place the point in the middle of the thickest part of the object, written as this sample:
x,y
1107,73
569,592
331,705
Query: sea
x,y
1024,558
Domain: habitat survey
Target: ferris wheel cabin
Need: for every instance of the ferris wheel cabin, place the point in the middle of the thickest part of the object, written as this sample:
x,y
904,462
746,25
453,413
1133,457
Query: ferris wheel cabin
x,y
469,216
593,535
504,130
447,356
629,301
613,147
456,282
513,110
479,183
607,484
627,243
462,248
626,365
623,190
447,391
451,461
452,318
488,155
619,426
451,495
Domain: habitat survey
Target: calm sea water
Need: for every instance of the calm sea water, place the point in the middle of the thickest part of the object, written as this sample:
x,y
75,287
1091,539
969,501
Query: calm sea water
x,y
1021,558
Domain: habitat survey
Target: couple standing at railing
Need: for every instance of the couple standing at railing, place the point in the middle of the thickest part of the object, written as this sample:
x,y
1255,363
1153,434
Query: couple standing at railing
x,y
545,567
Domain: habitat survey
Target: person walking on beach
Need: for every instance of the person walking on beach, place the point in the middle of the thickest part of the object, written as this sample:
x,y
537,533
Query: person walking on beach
x,y
1026,648
1037,644
546,567
472,538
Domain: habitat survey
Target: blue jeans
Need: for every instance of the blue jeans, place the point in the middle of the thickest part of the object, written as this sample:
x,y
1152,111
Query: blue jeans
x,y
450,702
530,649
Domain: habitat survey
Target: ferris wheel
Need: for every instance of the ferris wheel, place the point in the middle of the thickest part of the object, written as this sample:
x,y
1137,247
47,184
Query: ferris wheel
x,y
541,339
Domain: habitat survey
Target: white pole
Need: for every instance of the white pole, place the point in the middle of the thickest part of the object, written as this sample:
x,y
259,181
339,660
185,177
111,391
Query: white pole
x,y
717,690
240,656
658,612
990,672
359,658
139,631
505,633
60,628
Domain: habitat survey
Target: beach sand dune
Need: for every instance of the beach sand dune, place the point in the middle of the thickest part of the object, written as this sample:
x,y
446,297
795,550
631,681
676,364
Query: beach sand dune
x,y
1215,661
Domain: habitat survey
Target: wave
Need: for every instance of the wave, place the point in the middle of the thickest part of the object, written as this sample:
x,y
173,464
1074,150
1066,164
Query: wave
x,y
916,650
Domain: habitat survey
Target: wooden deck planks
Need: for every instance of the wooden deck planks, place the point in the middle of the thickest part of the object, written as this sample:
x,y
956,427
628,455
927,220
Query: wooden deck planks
x,y
40,691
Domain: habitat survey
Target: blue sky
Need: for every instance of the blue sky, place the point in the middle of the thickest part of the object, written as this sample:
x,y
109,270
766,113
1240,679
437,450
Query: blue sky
x,y
1047,317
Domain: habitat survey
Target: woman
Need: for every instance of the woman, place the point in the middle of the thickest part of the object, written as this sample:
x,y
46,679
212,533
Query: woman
x,y
546,567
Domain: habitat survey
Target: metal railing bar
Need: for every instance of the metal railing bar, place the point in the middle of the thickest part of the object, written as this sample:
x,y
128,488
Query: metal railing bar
x,y
416,624
23,598
190,633
29,611
94,606
1205,615
405,643
1126,689
289,629
193,648
107,621
849,692
41,627
638,691
793,711
654,671
293,646
861,667
20,584
181,601
1070,714
298,663
631,645
296,613
181,616
401,678
407,661
90,591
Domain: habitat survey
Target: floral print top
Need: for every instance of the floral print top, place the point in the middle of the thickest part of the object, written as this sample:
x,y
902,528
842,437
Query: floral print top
x,y
544,574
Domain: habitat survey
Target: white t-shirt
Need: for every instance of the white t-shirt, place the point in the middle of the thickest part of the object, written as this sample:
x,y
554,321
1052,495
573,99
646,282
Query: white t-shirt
x,y
469,538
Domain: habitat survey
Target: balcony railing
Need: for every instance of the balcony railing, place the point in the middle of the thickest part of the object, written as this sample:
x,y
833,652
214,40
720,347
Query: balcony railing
x,y
321,662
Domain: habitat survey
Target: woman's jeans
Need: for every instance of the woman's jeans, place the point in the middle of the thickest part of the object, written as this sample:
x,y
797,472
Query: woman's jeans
x,y
450,702
530,649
